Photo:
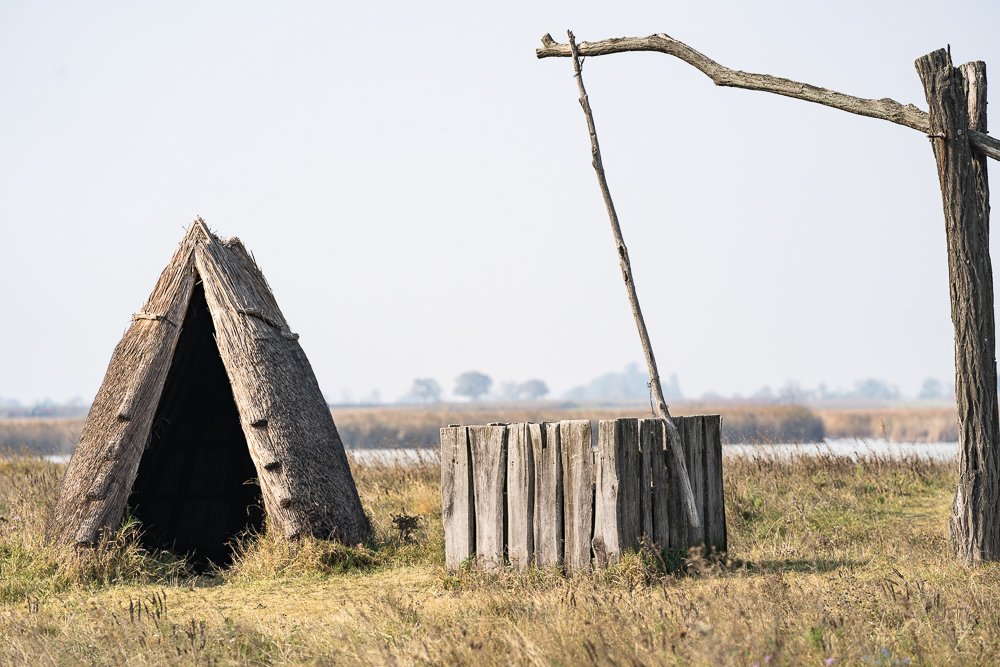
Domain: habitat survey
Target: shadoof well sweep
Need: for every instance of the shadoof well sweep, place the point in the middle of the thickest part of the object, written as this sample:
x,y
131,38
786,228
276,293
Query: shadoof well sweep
x,y
956,125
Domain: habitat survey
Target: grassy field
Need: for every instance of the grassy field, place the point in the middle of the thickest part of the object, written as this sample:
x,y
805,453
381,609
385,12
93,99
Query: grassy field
x,y
417,426
831,562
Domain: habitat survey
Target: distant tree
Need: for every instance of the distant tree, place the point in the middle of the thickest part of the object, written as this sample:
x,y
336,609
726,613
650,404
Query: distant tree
x,y
508,391
872,389
473,384
672,388
932,389
532,390
425,390
764,395
793,392
632,384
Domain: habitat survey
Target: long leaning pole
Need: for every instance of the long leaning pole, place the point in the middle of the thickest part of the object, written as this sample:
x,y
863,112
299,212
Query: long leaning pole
x,y
674,436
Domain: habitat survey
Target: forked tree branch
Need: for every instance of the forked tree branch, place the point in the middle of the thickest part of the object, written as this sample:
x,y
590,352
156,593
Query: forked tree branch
x,y
687,494
884,109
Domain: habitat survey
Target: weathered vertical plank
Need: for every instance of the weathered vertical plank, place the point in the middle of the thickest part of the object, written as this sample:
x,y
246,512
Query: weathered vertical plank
x,y
605,488
520,496
617,520
715,504
695,450
457,510
646,445
577,451
678,519
489,468
548,518
652,434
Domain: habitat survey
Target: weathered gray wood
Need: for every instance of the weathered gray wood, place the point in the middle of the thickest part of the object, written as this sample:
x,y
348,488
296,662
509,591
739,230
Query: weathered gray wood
x,y
957,101
678,520
99,489
489,470
625,264
681,480
617,510
695,455
272,381
111,447
646,476
520,496
883,109
548,518
715,504
577,452
457,509
651,438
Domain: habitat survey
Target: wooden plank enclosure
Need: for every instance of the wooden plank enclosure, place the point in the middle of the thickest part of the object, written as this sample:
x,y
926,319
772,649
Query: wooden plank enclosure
x,y
543,494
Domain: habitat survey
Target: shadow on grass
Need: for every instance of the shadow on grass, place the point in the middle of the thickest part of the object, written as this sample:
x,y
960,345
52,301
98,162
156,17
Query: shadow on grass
x,y
820,565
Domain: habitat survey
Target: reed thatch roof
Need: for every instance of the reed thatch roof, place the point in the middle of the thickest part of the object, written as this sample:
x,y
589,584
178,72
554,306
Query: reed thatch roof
x,y
181,440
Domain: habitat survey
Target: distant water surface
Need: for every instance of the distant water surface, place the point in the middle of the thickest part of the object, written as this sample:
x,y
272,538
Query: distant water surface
x,y
852,448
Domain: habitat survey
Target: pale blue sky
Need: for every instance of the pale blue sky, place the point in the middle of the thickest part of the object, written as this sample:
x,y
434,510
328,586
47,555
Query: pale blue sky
x,y
418,190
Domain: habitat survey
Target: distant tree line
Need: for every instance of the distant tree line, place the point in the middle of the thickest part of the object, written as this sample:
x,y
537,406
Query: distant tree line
x,y
629,386
866,390
10,408
475,386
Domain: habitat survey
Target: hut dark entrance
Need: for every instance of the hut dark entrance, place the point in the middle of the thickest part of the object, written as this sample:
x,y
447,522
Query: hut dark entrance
x,y
196,488
209,419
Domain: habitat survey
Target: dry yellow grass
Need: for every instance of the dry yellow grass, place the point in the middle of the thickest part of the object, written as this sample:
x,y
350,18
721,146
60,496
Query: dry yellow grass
x,y
831,560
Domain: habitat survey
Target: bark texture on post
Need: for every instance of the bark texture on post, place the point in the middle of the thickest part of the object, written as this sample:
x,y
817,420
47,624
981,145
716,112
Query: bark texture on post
x,y
957,101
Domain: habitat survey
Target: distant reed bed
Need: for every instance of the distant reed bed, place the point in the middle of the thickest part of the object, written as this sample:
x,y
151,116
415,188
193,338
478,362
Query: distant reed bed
x,y
417,426
40,435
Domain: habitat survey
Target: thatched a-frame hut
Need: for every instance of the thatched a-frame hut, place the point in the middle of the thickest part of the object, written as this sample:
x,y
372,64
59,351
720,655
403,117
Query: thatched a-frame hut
x,y
209,419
